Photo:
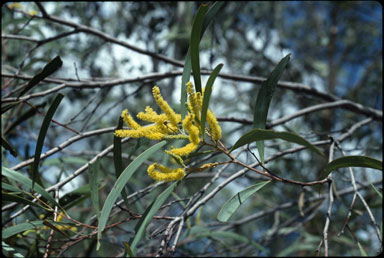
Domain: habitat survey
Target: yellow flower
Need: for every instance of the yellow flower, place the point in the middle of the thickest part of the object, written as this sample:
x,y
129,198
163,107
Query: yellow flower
x,y
129,120
32,12
193,102
184,151
151,132
214,126
173,118
164,173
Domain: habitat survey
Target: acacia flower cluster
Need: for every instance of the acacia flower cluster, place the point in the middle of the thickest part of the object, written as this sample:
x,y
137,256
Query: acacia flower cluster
x,y
169,125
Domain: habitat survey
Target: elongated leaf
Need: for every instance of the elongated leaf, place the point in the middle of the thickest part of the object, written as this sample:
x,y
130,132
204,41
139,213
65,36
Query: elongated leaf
x,y
377,191
207,95
194,44
117,159
11,188
263,134
28,183
94,169
49,69
263,100
43,132
230,206
8,146
13,230
362,251
353,161
8,197
119,185
148,214
211,14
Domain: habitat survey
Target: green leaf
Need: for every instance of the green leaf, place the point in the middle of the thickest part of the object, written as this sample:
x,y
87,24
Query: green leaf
x,y
194,44
263,134
211,14
119,185
362,251
353,161
94,169
8,146
10,197
207,95
377,191
28,183
13,230
230,206
49,69
117,159
264,98
43,132
148,214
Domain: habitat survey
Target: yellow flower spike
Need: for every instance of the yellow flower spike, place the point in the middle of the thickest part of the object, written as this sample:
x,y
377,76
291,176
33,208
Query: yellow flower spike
x,y
173,118
191,129
170,175
151,132
184,151
129,120
213,126
32,12
193,102
151,116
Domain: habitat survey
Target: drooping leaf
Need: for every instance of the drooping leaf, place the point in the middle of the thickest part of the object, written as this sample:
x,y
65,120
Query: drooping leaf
x,y
230,206
207,95
49,69
13,230
264,98
352,161
117,159
263,134
195,42
119,185
10,197
28,183
42,134
148,215
211,14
